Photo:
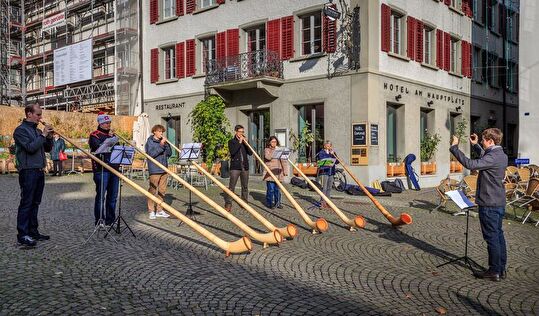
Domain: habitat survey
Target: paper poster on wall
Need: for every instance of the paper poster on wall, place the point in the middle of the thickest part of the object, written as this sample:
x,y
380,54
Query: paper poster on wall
x,y
374,134
359,134
73,63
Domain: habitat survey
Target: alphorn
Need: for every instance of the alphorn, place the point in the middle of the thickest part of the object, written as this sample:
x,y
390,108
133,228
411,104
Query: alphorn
x,y
320,225
242,245
404,219
290,231
357,222
273,237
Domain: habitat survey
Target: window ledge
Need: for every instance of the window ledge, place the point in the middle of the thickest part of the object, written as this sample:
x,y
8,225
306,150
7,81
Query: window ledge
x,y
197,11
495,33
478,22
201,75
456,10
432,67
172,18
306,57
399,56
494,86
166,81
455,74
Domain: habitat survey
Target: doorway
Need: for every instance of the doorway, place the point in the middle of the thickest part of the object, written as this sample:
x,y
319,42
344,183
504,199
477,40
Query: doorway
x,y
259,132
174,131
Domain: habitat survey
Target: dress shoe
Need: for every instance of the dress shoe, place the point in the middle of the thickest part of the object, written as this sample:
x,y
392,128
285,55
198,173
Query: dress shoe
x,y
228,208
493,276
26,241
40,237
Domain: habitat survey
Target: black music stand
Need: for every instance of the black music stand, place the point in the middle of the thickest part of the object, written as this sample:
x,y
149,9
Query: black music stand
x,y
466,206
122,155
189,152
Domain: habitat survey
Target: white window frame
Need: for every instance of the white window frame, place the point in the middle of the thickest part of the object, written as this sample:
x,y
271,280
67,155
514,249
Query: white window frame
x,y
312,33
206,3
456,4
455,65
258,38
169,8
398,29
170,53
208,51
429,45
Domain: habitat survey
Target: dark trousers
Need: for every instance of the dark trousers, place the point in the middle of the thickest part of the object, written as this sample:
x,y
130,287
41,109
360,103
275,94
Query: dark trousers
x,y
244,179
106,196
57,167
32,183
273,194
491,226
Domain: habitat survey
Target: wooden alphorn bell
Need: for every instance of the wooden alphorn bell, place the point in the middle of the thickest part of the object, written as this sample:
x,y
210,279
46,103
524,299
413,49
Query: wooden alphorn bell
x,y
320,225
242,245
273,237
357,222
290,231
404,219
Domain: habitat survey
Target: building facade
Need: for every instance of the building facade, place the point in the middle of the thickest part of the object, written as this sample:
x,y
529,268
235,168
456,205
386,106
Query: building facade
x,y
32,30
494,91
376,81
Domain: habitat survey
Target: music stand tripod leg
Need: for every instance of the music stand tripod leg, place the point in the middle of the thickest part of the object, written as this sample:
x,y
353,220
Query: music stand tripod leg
x,y
467,260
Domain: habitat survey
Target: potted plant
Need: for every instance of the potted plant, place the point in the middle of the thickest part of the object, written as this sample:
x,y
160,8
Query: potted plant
x,y
300,142
428,148
224,155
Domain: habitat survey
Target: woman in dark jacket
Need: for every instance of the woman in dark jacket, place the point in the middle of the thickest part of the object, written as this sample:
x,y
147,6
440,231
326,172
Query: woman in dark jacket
x,y
58,147
158,148
326,173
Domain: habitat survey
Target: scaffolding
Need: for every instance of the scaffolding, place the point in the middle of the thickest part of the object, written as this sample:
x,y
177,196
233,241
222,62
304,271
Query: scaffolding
x,y
27,48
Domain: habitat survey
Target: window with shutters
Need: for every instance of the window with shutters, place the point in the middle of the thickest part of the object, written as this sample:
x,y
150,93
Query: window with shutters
x,y
455,56
479,11
311,33
256,38
512,26
207,52
512,77
169,62
478,64
456,4
206,3
169,8
493,16
397,33
429,45
493,70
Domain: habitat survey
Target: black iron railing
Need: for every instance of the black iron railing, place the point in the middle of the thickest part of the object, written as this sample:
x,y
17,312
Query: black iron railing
x,y
255,64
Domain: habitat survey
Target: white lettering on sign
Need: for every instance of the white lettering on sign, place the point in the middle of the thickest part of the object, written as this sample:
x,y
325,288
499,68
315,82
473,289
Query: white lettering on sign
x,y
53,21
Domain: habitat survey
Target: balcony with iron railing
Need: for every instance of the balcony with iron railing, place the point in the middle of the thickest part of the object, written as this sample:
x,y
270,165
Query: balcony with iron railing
x,y
256,69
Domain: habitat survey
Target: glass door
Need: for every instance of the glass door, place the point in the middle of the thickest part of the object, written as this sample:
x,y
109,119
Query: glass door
x,y
173,132
259,132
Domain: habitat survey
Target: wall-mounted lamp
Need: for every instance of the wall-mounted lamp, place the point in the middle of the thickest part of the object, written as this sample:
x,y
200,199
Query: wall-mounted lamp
x,y
398,97
458,108
430,103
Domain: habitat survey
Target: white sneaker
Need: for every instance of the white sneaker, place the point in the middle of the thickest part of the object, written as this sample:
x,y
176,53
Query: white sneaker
x,y
162,214
152,215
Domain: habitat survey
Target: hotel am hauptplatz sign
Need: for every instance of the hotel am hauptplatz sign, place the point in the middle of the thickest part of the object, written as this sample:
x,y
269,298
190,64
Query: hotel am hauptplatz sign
x,y
431,95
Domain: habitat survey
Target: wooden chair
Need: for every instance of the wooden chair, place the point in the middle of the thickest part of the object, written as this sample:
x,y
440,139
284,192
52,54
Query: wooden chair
x,y
511,174
445,185
531,195
470,186
523,177
534,170
533,207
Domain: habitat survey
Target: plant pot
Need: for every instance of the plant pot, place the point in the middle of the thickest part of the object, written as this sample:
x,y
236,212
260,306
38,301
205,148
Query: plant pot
x,y
225,170
399,170
389,168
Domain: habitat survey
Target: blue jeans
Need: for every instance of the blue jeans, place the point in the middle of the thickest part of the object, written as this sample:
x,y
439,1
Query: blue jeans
x,y
110,192
273,195
491,226
32,183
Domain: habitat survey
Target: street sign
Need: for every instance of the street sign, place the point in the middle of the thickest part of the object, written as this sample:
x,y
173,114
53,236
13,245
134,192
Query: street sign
x,y
522,161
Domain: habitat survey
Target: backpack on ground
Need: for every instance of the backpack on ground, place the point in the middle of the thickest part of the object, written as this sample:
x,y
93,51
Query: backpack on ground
x,y
400,184
391,187
298,182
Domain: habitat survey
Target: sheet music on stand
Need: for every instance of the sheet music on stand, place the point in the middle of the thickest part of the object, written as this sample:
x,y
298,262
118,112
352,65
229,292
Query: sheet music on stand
x,y
326,162
281,153
190,151
122,155
460,199
107,145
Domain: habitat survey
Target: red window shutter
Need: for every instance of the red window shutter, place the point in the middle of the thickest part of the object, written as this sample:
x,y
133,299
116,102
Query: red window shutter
x,y
190,6
439,49
190,69
447,2
154,65
154,11
180,60
220,50
330,34
287,26
232,42
411,37
385,27
179,7
273,35
467,7
220,1
470,68
447,51
419,41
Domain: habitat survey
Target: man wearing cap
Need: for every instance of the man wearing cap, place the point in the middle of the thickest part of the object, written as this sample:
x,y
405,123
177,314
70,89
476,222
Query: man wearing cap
x,y
106,183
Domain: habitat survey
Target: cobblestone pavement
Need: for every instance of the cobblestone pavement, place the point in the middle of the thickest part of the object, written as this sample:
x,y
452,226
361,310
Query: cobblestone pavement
x,y
168,269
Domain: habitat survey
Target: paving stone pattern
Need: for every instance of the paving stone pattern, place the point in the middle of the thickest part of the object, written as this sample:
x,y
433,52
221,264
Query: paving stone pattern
x,y
170,269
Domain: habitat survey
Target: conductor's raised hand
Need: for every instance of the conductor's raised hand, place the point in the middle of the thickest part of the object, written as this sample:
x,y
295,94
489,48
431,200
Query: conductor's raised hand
x,y
454,140
474,139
